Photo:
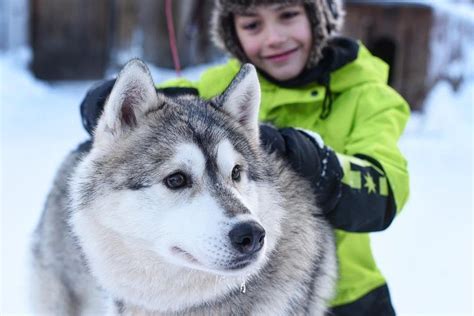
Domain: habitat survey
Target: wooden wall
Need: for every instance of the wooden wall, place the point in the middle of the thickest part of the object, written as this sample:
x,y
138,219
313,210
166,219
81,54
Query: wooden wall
x,y
400,35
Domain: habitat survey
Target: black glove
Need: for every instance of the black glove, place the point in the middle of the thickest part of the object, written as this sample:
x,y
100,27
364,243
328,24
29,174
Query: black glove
x,y
317,164
93,103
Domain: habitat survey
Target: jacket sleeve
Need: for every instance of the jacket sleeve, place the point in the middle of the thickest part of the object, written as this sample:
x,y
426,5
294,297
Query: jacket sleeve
x,y
213,81
375,184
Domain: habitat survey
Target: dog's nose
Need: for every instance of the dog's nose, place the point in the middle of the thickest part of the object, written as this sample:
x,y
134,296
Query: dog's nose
x,y
247,237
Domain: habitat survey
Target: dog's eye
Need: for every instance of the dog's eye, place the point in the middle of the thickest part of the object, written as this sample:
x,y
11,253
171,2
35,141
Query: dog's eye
x,y
177,180
236,173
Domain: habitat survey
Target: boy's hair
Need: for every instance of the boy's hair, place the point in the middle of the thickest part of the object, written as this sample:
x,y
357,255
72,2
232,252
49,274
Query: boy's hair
x,y
325,16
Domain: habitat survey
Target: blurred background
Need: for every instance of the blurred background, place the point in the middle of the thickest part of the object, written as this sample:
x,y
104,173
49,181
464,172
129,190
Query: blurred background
x,y
52,51
83,39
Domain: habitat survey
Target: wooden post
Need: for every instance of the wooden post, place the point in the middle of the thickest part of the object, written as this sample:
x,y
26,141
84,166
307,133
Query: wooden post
x,y
69,39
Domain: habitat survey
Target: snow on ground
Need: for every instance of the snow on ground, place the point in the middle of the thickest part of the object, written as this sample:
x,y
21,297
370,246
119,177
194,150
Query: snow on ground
x,y
426,254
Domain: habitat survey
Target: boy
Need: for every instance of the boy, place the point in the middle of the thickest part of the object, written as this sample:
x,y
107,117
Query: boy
x,y
327,85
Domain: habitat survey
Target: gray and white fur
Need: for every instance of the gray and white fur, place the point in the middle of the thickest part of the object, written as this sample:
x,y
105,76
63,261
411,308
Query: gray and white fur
x,y
175,209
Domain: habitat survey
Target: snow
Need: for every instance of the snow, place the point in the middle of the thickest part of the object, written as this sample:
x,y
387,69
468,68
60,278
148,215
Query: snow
x,y
453,28
426,254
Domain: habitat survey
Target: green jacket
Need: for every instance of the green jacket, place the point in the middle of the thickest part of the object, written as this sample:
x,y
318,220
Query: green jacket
x,y
366,120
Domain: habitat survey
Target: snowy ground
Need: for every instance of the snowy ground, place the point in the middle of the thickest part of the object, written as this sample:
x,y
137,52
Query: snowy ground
x,y
426,255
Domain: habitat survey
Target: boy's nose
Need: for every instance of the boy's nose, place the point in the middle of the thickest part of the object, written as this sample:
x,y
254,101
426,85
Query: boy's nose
x,y
275,36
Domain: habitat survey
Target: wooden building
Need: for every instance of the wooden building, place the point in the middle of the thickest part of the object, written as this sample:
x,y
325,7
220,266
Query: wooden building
x,y
79,39
399,33
407,35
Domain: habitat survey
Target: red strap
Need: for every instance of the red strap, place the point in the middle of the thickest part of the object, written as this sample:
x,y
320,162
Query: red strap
x,y
172,37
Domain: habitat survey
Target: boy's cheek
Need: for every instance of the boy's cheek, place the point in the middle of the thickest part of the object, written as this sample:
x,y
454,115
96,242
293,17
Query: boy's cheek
x,y
250,44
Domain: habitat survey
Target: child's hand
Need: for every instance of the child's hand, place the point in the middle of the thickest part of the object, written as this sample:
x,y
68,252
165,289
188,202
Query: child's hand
x,y
309,157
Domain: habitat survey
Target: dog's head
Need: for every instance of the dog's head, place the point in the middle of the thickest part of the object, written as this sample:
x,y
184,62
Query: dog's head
x,y
181,182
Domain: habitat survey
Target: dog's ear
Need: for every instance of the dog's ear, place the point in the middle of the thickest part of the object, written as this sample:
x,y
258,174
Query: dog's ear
x,y
132,95
242,98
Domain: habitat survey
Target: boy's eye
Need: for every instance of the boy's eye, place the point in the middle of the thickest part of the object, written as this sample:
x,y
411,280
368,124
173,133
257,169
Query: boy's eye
x,y
289,14
250,26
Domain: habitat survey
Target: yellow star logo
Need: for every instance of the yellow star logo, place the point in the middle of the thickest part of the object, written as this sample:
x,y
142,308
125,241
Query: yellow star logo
x,y
369,183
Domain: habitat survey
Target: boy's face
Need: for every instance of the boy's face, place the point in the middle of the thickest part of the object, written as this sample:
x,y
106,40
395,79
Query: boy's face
x,y
276,39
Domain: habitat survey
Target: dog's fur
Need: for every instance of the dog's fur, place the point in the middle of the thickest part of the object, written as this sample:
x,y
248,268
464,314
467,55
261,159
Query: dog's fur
x,y
123,233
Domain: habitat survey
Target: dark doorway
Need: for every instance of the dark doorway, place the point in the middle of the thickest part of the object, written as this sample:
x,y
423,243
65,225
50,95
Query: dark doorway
x,y
385,48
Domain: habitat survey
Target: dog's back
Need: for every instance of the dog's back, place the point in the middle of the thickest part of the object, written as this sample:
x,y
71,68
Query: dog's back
x,y
61,283
176,210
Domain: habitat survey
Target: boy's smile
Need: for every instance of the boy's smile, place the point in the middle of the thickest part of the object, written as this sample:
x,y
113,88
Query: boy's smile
x,y
281,57
277,39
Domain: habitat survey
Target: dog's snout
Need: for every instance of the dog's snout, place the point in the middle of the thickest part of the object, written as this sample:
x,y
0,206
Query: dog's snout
x,y
248,237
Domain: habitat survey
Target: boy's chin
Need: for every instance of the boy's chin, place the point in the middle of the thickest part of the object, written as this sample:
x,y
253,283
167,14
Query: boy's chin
x,y
284,73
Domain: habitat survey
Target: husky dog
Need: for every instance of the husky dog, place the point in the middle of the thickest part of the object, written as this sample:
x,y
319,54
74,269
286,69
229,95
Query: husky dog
x,y
175,209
